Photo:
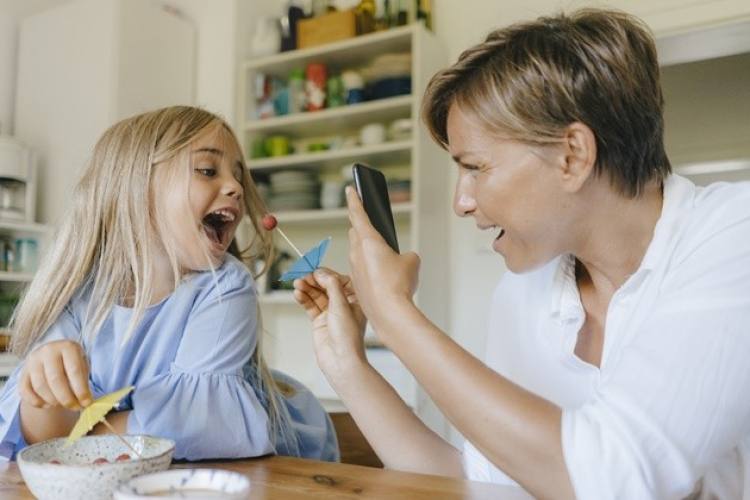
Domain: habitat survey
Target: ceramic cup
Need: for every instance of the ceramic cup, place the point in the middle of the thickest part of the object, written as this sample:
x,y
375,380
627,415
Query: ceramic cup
x,y
372,133
331,194
278,145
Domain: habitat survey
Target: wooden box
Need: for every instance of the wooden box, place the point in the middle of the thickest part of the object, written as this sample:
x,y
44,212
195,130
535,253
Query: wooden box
x,y
326,28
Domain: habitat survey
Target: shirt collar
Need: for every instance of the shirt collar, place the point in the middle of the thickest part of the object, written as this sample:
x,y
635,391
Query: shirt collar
x,y
679,193
565,300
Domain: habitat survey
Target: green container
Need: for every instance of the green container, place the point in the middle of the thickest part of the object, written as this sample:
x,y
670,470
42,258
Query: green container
x,y
8,302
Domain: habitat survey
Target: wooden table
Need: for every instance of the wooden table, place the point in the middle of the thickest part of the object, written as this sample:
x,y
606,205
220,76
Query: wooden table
x,y
285,478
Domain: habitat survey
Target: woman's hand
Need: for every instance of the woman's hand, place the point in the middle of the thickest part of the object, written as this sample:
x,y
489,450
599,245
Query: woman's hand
x,y
56,375
383,277
337,320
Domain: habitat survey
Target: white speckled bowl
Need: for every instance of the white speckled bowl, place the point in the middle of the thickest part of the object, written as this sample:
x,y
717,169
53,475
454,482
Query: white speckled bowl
x,y
77,477
186,483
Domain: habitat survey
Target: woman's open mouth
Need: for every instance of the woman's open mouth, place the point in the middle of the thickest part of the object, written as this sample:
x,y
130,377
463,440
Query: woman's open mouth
x,y
218,224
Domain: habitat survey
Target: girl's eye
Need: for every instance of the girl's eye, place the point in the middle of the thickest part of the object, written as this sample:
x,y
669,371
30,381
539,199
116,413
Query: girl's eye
x,y
207,171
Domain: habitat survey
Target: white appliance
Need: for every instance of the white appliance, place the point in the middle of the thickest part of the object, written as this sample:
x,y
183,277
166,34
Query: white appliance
x,y
17,180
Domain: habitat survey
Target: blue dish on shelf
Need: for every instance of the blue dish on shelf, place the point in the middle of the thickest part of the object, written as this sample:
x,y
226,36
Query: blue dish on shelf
x,y
390,87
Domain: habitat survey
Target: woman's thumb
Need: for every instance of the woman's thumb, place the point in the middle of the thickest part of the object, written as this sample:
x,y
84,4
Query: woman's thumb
x,y
333,287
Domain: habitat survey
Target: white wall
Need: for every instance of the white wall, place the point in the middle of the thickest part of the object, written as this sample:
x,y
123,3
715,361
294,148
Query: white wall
x,y
11,11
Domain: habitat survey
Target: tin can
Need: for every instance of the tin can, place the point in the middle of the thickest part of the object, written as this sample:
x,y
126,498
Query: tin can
x,y
315,86
26,255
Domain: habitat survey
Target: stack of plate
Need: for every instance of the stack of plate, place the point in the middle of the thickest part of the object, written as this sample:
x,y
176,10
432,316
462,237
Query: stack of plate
x,y
294,190
399,191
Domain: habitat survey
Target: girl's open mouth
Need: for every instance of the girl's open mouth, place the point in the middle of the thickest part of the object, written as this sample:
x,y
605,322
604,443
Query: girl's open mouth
x,y
217,225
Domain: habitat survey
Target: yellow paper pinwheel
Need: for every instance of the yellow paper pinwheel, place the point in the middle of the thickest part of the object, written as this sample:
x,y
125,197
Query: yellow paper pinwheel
x,y
95,413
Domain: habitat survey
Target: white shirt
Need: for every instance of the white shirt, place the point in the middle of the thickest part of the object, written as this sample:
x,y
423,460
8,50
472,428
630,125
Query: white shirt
x,y
668,412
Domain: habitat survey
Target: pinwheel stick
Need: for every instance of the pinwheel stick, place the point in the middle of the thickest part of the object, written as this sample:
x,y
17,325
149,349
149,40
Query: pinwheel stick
x,y
288,241
112,429
270,223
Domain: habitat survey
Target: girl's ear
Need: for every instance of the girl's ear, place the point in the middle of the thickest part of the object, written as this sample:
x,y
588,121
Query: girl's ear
x,y
579,156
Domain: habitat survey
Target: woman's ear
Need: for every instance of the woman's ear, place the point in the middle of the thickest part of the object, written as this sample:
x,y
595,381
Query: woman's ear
x,y
579,156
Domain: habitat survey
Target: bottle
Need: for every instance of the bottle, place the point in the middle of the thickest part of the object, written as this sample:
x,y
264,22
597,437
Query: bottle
x,y
402,14
297,97
289,24
267,38
26,255
423,13
354,86
365,15
9,257
334,91
315,86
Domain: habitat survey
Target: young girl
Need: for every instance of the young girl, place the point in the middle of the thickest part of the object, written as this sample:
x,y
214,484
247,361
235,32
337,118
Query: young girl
x,y
143,286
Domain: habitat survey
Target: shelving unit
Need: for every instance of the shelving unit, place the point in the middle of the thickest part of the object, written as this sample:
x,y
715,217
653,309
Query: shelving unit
x,y
13,282
422,222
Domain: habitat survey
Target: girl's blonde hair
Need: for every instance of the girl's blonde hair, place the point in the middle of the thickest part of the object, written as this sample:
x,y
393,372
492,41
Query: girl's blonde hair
x,y
107,239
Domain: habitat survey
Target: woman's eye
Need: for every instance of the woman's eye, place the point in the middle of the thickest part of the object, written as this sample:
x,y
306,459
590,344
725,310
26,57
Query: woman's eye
x,y
470,168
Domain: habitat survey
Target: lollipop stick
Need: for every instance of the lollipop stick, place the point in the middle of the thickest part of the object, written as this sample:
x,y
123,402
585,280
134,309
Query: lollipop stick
x,y
288,241
106,424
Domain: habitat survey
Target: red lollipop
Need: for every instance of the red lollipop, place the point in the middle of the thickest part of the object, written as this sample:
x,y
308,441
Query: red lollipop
x,y
269,222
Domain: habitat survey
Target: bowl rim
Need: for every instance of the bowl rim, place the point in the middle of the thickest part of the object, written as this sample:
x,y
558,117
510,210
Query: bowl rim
x,y
125,488
21,458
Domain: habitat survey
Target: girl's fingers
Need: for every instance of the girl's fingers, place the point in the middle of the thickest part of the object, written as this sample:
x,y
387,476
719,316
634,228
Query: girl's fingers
x,y
77,370
28,393
59,384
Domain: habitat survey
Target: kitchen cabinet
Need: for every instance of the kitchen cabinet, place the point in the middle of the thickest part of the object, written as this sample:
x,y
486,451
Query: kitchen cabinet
x,y
421,217
707,102
12,281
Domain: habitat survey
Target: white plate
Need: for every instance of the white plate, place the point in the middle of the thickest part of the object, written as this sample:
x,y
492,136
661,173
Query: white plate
x,y
186,483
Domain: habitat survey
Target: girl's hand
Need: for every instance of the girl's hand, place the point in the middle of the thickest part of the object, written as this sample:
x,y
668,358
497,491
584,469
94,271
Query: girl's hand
x,y
338,322
56,375
383,277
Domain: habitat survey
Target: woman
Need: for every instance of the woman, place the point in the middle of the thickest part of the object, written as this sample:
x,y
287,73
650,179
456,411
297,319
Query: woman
x,y
616,356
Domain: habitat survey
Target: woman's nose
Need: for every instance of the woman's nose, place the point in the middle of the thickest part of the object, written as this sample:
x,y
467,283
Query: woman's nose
x,y
463,202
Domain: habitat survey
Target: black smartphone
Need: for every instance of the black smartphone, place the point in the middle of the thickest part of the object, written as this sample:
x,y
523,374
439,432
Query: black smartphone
x,y
373,191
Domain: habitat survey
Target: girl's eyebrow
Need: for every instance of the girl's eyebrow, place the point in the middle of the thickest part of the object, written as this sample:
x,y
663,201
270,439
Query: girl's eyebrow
x,y
209,150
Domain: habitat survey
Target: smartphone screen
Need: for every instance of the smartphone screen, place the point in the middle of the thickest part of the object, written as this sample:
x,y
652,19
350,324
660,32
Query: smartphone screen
x,y
373,191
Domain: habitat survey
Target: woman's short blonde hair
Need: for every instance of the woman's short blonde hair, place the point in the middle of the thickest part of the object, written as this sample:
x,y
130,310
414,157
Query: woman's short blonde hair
x,y
530,81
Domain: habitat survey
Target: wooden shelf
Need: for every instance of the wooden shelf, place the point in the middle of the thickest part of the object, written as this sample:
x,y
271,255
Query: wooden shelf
x,y
349,53
385,153
332,121
23,227
325,216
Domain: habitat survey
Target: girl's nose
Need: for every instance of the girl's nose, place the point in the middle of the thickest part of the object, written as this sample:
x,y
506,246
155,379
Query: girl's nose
x,y
232,187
